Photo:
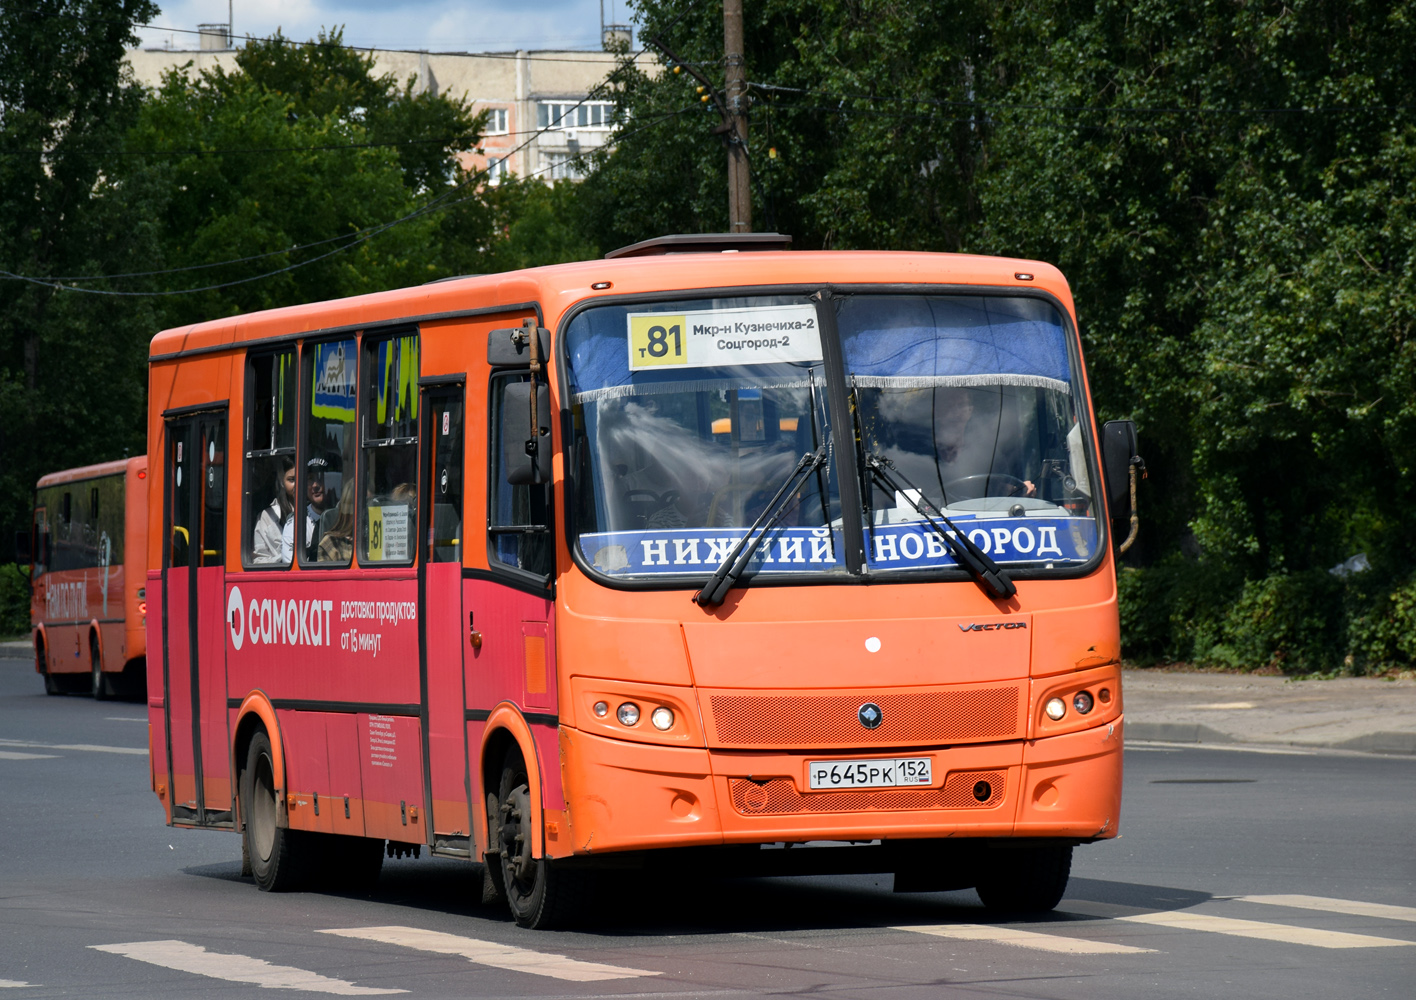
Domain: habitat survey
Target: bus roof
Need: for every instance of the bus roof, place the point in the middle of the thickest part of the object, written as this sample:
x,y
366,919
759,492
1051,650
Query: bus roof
x,y
558,286
114,468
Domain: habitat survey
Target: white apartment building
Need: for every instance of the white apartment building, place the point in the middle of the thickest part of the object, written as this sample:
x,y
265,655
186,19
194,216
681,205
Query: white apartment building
x,y
539,114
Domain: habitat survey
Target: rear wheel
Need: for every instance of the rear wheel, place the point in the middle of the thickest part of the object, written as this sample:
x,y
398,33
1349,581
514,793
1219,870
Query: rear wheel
x,y
101,689
279,857
52,685
539,894
1026,880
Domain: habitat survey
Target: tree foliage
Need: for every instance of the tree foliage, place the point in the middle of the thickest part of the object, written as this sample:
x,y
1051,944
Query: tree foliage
x,y
67,211
1229,188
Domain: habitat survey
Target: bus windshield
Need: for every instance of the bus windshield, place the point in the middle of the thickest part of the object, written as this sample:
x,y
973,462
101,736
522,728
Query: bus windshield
x,y
973,403
689,416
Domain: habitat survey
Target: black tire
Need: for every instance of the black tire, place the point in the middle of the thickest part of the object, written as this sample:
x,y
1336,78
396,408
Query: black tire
x,y
52,685
1026,880
539,894
280,858
101,689
493,886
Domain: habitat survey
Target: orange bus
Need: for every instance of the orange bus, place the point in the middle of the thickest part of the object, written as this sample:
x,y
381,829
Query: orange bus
x,y
701,550
87,551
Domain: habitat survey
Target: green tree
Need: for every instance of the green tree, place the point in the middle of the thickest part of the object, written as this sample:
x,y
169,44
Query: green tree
x,y
72,378
317,178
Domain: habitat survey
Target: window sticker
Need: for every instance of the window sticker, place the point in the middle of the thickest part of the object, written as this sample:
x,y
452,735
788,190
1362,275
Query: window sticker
x,y
756,336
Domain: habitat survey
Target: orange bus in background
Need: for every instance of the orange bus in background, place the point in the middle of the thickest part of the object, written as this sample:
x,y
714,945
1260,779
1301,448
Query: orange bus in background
x,y
702,550
88,574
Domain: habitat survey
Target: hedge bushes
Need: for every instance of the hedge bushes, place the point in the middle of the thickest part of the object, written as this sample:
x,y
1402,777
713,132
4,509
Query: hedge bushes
x,y
14,600
1310,622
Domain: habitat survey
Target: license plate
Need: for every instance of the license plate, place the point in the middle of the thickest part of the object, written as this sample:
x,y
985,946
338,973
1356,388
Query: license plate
x,y
892,773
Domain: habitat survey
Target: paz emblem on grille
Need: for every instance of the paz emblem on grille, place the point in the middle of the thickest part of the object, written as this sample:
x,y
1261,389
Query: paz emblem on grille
x,y
869,715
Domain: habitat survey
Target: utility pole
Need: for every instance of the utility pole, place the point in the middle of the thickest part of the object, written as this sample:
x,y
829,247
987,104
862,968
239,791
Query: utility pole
x,y
735,92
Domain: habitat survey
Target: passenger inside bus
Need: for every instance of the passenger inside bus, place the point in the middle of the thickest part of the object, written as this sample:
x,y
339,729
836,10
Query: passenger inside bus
x,y
337,544
318,501
273,542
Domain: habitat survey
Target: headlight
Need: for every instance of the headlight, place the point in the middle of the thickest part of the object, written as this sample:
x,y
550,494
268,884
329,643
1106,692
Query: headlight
x,y
1082,702
662,718
601,709
628,714
1055,709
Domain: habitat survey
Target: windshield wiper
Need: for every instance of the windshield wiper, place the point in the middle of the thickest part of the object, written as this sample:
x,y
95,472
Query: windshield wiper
x,y
979,564
727,573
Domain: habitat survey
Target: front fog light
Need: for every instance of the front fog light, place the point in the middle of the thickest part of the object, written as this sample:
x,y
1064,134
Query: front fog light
x,y
1082,702
628,714
1055,708
601,709
662,718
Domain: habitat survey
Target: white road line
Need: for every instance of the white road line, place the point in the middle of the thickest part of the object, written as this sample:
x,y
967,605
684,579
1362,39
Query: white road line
x,y
91,747
125,718
1352,907
1181,920
498,956
16,755
197,960
1024,939
13,984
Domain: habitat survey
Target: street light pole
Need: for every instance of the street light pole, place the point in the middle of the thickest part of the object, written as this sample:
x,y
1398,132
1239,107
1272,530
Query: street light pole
x,y
735,92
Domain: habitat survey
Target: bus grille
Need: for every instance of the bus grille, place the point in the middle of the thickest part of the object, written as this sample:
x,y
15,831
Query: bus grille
x,y
779,796
823,721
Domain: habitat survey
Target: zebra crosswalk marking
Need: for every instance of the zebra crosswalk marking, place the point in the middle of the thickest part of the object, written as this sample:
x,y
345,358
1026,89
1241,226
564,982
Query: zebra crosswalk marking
x,y
1020,938
1350,907
1286,933
197,960
498,956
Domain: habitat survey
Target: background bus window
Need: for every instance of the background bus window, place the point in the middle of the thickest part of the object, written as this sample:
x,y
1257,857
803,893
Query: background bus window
x,y
85,531
327,493
269,483
518,521
390,461
40,546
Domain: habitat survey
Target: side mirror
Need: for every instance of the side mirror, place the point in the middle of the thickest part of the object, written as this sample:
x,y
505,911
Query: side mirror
x,y
511,348
1118,454
526,457
24,553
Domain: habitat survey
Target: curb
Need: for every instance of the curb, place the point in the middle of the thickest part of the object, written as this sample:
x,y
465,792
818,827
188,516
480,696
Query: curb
x,y
1176,732
1387,742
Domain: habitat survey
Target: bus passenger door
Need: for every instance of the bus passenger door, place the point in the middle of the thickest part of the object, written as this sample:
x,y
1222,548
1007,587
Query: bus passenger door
x,y
194,633
442,634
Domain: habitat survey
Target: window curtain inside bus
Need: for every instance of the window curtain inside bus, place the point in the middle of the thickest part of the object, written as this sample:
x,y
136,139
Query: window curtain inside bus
x,y
919,341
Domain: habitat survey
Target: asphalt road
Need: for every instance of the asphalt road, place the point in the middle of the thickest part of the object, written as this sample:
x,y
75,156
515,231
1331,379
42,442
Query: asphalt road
x,y
1238,874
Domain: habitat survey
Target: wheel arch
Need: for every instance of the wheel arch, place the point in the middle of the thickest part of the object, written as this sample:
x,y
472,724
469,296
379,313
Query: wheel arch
x,y
506,728
256,714
95,640
41,645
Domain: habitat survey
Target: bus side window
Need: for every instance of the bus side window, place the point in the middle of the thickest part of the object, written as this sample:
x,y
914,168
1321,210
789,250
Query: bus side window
x,y
388,506
270,505
518,517
329,491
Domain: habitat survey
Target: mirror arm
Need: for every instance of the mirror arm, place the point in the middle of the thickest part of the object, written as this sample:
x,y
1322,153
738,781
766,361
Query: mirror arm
x,y
1138,464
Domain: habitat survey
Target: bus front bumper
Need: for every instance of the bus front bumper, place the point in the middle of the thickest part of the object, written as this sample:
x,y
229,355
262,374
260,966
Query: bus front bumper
x,y
624,796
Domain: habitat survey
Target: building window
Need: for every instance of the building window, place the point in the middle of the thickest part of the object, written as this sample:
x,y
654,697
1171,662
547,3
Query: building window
x,y
496,121
595,115
558,167
496,170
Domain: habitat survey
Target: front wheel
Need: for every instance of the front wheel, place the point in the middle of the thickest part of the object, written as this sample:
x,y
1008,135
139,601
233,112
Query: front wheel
x,y
539,894
277,855
1025,880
